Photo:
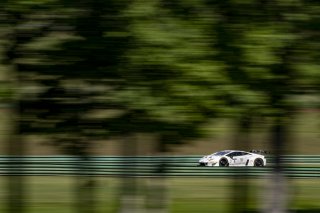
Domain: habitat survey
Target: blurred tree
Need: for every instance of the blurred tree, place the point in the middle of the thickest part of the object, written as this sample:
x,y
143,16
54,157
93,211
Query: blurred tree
x,y
290,23
61,110
155,67
259,43
240,93
165,93
82,52
20,24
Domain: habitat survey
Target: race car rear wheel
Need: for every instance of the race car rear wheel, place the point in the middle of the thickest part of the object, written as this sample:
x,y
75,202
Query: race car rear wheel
x,y
258,162
223,162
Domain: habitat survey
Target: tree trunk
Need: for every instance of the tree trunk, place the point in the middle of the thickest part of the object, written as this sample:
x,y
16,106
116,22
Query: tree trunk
x,y
130,200
240,185
276,198
85,185
15,179
156,197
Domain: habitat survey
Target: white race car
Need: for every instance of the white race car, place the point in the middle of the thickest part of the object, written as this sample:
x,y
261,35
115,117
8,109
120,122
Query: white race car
x,y
233,158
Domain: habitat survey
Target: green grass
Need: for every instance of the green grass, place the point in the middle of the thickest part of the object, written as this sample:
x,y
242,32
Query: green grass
x,y
56,194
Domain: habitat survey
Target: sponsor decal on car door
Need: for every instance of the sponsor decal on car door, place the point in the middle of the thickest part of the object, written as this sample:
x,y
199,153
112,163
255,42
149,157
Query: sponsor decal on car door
x,y
242,160
235,159
239,159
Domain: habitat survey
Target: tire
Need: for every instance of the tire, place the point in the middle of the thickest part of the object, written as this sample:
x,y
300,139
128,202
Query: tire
x,y
258,162
223,162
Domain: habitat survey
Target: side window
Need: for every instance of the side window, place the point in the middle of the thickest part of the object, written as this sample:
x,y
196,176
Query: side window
x,y
231,154
244,153
234,154
237,154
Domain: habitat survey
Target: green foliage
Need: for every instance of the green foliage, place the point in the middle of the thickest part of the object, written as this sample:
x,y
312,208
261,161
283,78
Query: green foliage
x,y
166,67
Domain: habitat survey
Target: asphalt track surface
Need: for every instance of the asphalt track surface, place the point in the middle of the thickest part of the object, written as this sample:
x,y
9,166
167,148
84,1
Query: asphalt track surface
x,y
295,166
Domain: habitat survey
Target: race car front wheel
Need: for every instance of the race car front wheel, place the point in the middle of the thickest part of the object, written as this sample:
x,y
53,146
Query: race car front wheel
x,y
223,162
258,162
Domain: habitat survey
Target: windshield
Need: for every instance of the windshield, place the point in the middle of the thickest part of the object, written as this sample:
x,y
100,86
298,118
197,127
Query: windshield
x,y
221,153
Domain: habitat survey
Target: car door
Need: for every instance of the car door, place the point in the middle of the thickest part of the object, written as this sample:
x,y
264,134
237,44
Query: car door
x,y
243,159
235,160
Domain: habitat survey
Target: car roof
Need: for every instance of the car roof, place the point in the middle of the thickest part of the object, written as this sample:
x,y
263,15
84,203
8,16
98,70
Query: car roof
x,y
230,150
235,151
